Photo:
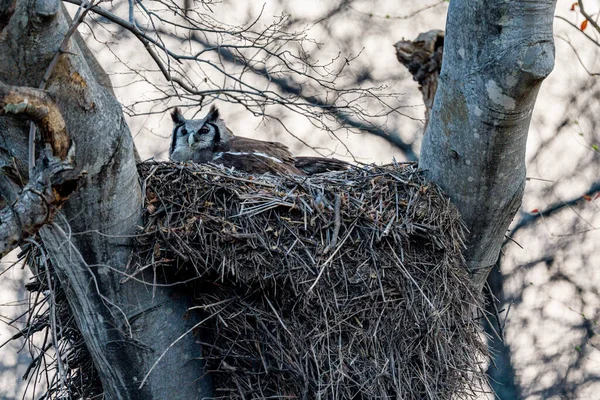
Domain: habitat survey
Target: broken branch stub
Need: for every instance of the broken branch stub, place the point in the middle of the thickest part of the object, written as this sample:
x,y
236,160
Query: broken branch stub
x,y
37,106
423,59
53,180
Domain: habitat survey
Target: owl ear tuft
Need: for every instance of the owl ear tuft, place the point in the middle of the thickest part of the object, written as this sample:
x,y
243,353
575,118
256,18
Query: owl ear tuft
x,y
213,114
177,116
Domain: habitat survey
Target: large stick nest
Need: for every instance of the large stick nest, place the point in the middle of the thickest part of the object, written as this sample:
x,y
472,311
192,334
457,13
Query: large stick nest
x,y
346,285
336,286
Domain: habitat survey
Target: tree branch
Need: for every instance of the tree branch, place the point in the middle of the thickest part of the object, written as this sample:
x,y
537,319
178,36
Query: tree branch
x,y
531,218
36,105
285,85
54,178
423,59
289,87
587,16
591,39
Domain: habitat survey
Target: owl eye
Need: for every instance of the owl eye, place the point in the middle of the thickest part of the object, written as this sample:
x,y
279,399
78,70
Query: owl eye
x,y
204,129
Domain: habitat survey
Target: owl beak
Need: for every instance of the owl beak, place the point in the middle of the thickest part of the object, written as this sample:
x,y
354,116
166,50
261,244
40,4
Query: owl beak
x,y
192,139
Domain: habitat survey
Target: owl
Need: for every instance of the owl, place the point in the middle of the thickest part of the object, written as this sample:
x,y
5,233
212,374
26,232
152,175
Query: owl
x,y
209,140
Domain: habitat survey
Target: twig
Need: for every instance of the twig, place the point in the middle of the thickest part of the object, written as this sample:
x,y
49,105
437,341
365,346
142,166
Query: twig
x,y
591,39
590,73
336,224
288,86
401,17
53,320
587,16
329,260
530,218
146,42
278,317
173,344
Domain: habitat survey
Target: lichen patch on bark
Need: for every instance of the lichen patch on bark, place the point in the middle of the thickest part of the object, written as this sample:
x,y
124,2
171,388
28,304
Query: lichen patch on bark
x,y
497,96
77,79
455,110
73,82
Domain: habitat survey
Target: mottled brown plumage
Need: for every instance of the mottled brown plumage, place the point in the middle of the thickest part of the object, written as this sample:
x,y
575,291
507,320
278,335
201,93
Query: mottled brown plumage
x,y
256,156
209,140
318,165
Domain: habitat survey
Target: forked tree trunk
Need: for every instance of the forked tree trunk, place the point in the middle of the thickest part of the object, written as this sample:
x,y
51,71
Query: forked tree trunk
x,y
496,54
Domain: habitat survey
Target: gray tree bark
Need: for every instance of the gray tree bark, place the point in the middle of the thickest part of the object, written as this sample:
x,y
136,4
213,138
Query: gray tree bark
x,y
496,54
126,326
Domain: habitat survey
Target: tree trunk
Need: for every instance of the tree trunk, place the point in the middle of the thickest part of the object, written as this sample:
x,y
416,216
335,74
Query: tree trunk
x,y
496,54
126,326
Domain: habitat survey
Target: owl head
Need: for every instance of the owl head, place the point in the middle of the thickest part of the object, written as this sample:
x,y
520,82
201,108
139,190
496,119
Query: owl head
x,y
197,135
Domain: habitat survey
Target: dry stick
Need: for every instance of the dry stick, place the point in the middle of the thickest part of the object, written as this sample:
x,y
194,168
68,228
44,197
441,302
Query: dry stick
x,y
237,178
407,274
174,343
336,224
278,317
587,16
330,258
499,333
52,318
61,49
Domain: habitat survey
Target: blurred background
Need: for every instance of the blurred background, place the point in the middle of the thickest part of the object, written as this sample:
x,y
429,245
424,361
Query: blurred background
x,y
548,277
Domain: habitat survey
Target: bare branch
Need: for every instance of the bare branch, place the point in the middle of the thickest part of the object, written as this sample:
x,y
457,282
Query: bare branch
x,y
531,218
587,70
290,75
288,86
401,17
145,40
587,16
591,39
